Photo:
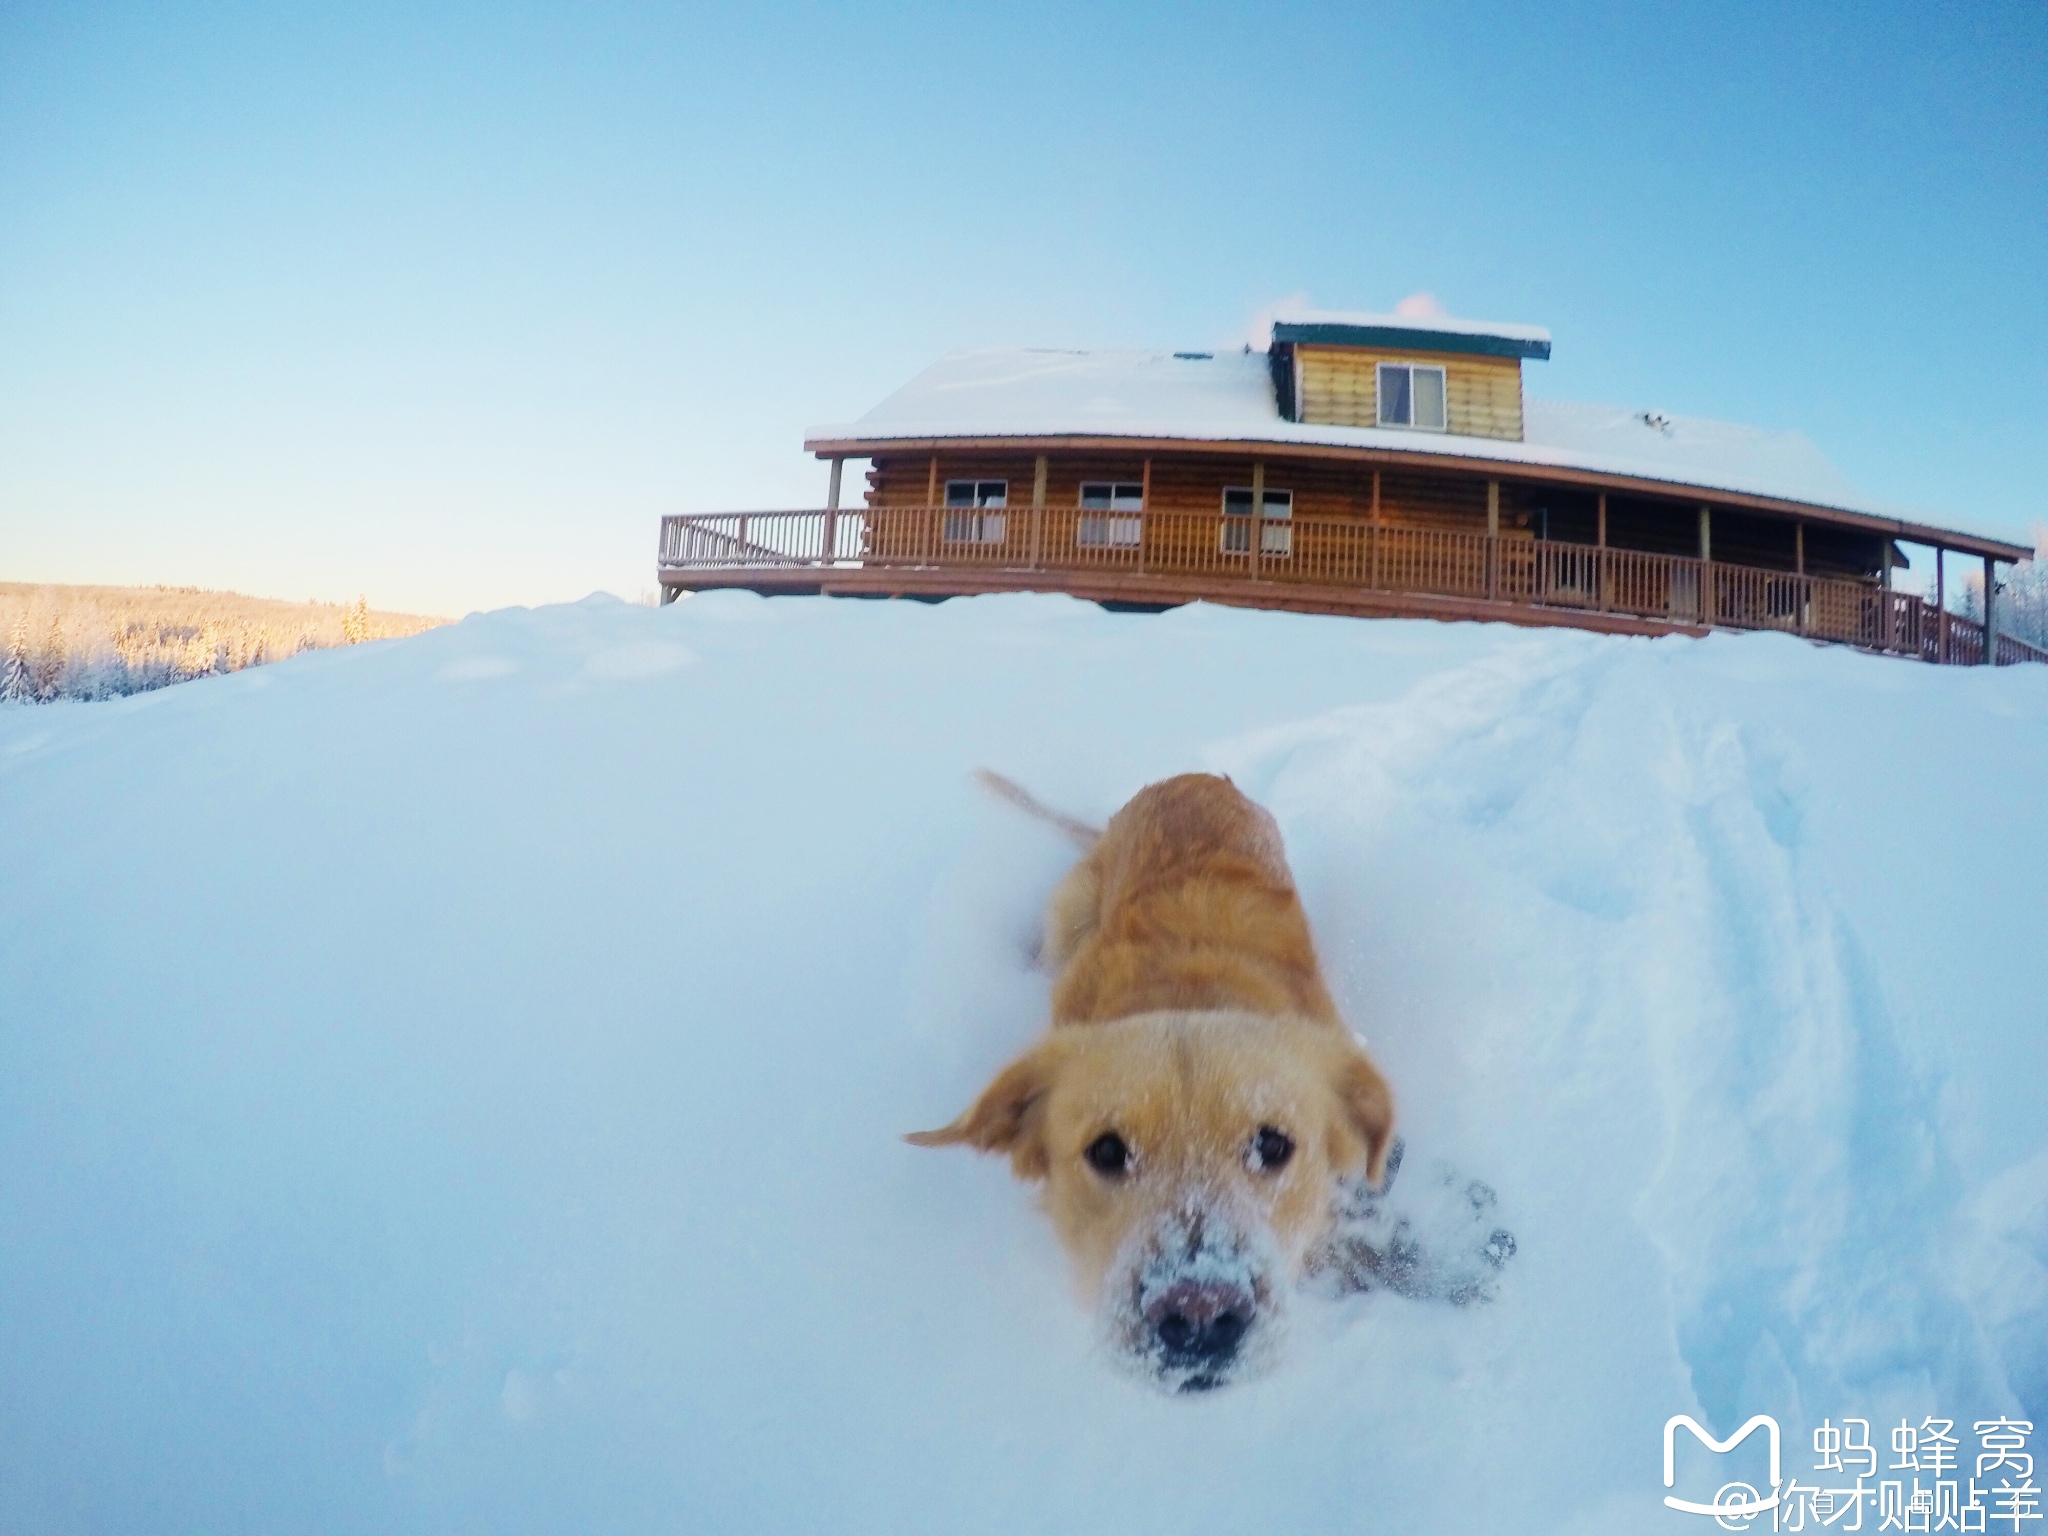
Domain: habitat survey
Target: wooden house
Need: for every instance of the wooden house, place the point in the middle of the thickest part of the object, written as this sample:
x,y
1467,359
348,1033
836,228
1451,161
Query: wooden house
x,y
1369,465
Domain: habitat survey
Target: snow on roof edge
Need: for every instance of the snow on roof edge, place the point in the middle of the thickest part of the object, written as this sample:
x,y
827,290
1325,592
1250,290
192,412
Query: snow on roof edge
x,y
1224,396
1452,324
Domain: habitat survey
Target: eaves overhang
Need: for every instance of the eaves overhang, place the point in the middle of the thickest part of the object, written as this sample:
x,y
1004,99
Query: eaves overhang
x,y
1407,339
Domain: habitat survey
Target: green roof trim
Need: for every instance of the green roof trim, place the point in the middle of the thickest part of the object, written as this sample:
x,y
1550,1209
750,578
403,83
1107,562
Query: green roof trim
x,y
1407,339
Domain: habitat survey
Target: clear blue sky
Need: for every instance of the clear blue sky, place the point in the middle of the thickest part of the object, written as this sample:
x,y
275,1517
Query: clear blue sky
x,y
446,304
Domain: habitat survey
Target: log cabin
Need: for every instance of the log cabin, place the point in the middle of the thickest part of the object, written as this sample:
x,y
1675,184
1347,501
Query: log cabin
x,y
1371,465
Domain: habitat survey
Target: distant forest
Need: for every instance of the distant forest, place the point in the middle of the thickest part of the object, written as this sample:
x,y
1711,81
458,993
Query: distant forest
x,y
103,642
2022,596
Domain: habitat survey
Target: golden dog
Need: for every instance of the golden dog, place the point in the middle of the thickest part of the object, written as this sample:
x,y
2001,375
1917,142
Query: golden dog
x,y
1197,1099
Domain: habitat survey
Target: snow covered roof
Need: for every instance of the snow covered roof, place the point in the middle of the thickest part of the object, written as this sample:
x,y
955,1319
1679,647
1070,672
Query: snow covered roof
x,y
1425,333
1447,324
1038,392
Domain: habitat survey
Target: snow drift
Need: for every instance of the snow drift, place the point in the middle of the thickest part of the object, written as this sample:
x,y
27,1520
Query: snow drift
x,y
454,1084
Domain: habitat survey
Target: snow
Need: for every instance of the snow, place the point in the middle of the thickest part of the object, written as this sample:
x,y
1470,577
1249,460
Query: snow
x,y
1047,392
1691,449
1429,320
454,1083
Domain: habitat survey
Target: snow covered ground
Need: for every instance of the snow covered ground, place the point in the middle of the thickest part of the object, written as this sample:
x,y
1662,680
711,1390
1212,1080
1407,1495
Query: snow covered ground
x,y
453,1084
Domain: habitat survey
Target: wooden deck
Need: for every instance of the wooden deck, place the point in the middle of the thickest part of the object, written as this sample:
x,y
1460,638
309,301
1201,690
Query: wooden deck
x,y
1298,564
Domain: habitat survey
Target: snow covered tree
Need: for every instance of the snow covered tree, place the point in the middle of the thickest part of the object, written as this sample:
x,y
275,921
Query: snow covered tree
x,y
15,687
101,642
49,662
2022,596
2025,597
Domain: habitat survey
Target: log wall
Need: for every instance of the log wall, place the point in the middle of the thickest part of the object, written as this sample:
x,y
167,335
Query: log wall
x,y
1408,498
1196,484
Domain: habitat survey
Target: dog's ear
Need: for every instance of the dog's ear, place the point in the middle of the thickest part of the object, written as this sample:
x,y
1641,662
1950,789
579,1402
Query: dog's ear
x,y
1008,1117
1365,1126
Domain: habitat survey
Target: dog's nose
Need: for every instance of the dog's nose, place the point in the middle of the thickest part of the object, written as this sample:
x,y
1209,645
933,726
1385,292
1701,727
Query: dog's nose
x,y
1200,1323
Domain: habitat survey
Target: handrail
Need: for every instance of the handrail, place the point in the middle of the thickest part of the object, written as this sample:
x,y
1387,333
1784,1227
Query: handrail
x,y
1376,557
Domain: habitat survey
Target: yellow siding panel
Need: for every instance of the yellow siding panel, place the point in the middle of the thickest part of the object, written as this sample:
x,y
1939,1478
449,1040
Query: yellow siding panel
x,y
1338,388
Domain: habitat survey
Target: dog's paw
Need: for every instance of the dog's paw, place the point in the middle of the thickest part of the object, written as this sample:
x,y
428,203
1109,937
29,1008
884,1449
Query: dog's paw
x,y
1438,1239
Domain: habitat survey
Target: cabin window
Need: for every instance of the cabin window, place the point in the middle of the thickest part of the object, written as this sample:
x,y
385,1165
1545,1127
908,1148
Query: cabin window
x,y
1411,395
969,518
1109,514
1237,513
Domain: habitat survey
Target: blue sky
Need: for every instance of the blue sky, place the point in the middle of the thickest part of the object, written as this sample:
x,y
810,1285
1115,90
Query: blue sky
x,y
446,304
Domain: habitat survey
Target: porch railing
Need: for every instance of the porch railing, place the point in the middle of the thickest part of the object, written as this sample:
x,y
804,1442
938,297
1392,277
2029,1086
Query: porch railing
x,y
1369,557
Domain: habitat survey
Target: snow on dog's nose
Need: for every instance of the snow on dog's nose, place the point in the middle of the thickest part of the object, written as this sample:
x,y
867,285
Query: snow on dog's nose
x,y
1194,1301
1200,1325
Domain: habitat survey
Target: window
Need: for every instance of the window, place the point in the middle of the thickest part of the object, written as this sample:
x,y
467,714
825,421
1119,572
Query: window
x,y
1411,395
977,525
1100,497
1237,539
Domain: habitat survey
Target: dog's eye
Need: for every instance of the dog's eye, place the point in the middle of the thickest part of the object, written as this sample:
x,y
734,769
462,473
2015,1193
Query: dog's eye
x,y
1270,1149
1108,1155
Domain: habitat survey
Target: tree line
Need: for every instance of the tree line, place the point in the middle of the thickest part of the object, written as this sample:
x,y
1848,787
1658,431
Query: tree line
x,y
2022,596
65,642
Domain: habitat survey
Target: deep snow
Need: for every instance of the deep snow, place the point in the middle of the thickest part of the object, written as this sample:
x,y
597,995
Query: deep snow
x,y
453,1084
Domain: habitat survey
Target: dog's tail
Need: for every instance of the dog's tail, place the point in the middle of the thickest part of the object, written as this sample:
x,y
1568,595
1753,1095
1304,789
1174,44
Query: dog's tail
x,y
1082,835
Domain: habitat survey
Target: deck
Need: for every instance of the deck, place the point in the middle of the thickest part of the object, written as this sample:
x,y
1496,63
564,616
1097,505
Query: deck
x,y
1154,559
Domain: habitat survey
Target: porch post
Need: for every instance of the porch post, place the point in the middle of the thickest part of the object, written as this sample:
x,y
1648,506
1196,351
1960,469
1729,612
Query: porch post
x,y
1887,621
829,543
1802,588
1493,539
1706,566
1258,513
1377,536
1038,478
1990,611
1600,543
1940,605
1144,511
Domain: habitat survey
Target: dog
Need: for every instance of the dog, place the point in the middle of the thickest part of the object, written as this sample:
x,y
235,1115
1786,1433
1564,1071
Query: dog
x,y
1197,1104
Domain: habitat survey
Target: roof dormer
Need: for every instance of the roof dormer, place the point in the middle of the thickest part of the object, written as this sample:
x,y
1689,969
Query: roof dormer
x,y
1434,374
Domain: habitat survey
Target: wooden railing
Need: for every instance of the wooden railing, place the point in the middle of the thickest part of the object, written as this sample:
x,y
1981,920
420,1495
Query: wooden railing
x,y
1327,553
